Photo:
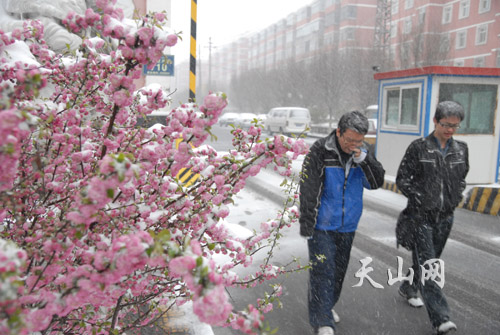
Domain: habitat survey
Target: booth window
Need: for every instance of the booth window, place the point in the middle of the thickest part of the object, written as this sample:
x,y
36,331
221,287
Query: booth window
x,y
402,107
479,102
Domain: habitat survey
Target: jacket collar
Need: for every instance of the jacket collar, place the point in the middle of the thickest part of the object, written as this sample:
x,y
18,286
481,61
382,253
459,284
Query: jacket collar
x,y
331,142
432,144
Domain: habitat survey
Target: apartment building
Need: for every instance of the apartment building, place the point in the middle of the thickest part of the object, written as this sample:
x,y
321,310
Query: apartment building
x,y
452,33
420,33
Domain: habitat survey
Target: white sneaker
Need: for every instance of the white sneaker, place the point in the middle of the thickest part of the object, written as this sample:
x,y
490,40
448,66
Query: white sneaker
x,y
415,302
446,327
336,317
412,301
325,331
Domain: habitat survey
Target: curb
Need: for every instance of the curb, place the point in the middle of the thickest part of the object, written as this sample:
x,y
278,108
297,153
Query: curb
x,y
484,200
480,199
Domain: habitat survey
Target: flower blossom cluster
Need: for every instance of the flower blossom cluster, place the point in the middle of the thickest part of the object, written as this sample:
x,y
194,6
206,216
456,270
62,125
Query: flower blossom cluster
x,y
95,222
12,261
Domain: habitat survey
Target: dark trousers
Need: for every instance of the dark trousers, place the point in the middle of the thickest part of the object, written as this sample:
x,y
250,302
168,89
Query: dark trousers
x,y
430,241
327,273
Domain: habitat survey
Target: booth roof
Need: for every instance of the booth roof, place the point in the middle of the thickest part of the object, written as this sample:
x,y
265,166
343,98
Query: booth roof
x,y
440,70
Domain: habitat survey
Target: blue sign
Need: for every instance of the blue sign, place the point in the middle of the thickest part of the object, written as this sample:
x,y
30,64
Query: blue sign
x,y
164,67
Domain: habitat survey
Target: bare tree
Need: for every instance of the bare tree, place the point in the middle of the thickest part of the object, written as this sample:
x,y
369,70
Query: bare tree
x,y
426,45
332,83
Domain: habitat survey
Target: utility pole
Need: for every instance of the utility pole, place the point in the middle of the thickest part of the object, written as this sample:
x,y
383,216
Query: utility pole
x,y
210,46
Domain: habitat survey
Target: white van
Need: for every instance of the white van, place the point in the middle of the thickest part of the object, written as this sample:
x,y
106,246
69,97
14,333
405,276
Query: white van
x,y
288,120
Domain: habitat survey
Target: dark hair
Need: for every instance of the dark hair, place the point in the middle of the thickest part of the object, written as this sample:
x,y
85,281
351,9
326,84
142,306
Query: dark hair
x,y
353,120
447,109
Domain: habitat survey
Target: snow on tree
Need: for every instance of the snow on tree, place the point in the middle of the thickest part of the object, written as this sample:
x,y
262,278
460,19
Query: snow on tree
x,y
97,232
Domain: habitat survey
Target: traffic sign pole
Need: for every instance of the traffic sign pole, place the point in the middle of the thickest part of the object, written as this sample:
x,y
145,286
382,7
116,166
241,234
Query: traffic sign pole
x,y
192,58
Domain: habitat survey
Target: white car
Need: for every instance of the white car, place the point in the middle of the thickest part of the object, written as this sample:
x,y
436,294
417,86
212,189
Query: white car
x,y
246,119
229,118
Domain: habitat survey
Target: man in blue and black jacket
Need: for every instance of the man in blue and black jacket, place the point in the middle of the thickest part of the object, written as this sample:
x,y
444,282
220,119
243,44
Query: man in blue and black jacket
x,y
335,172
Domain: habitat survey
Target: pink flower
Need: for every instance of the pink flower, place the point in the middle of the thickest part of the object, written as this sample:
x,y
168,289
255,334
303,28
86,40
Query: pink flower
x,y
145,34
141,56
219,181
101,191
217,200
214,101
182,266
195,247
127,52
171,40
121,98
213,306
160,17
254,170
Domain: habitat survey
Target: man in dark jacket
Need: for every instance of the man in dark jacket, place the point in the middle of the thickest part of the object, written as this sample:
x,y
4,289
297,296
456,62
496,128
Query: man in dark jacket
x,y
432,177
335,171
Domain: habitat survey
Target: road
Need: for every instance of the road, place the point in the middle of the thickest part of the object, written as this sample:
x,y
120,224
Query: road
x,y
472,267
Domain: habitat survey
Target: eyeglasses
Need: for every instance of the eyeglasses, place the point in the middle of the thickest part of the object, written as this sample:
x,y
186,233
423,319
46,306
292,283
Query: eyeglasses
x,y
351,141
449,125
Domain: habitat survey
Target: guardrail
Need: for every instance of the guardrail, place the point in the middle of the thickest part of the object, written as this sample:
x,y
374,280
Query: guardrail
x,y
322,128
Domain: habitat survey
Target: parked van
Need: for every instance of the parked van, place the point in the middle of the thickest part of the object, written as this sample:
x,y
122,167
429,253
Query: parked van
x,y
288,120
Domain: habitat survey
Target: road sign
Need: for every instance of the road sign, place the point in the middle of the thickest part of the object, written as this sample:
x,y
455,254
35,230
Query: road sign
x,y
164,67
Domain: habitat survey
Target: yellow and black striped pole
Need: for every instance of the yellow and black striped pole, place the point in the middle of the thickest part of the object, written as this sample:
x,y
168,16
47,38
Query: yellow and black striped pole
x,y
192,58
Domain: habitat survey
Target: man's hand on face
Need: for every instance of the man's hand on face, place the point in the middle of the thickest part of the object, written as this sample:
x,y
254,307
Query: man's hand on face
x,y
356,152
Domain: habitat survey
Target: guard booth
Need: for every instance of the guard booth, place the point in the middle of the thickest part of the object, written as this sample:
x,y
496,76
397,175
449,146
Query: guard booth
x,y
407,102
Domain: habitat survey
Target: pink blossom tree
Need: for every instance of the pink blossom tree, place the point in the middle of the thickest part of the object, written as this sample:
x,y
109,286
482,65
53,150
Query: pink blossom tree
x,y
97,231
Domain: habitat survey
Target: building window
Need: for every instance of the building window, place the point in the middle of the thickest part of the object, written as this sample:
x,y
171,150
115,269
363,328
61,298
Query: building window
x,y
408,4
447,14
484,6
479,61
347,34
329,38
394,30
464,9
481,34
402,106
461,40
348,12
498,57
307,46
479,103
405,50
407,25
330,19
421,15
394,6
459,62
444,43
